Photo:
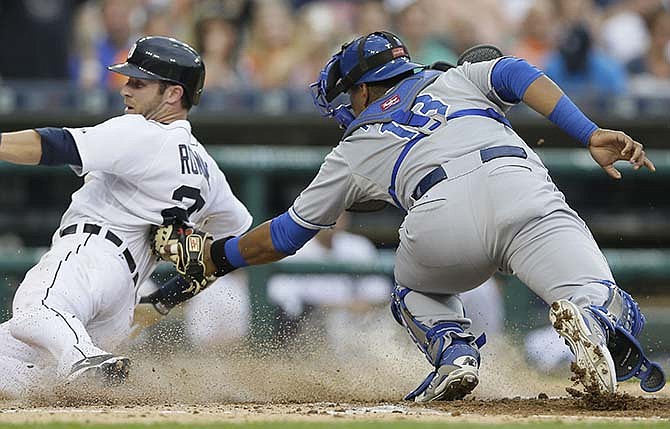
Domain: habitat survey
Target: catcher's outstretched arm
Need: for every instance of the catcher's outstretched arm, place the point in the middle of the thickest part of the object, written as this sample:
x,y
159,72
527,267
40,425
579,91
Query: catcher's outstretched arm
x,y
268,242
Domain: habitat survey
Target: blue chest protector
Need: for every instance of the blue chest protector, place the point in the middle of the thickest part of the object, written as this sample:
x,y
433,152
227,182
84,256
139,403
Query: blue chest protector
x,y
396,107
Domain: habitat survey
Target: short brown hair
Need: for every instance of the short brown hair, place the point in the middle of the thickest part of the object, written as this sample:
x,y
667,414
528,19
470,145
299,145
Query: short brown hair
x,y
185,103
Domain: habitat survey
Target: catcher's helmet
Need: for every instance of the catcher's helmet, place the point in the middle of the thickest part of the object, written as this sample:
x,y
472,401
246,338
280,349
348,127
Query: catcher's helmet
x,y
165,58
373,58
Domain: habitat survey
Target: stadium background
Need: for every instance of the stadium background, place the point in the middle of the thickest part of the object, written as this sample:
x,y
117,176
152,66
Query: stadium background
x,y
612,57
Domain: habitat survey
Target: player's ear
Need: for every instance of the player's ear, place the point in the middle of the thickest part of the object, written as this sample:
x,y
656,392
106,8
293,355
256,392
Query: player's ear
x,y
174,93
365,93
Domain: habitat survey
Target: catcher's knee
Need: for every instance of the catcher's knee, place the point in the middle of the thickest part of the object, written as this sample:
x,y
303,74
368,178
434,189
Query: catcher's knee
x,y
432,323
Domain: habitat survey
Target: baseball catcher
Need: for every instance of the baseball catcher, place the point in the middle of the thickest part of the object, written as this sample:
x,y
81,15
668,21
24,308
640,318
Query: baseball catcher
x,y
435,142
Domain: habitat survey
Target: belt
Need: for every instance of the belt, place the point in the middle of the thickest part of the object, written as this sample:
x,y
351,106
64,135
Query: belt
x,y
90,228
485,155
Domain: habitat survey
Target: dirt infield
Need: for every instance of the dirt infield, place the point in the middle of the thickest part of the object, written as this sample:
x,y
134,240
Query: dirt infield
x,y
472,410
313,382
263,388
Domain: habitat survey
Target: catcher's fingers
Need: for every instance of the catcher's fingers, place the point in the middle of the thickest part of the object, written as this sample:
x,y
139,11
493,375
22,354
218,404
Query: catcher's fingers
x,y
638,155
612,172
643,161
639,162
650,165
628,142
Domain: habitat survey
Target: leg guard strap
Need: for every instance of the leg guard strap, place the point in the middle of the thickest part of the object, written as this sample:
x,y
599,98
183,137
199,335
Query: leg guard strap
x,y
629,357
446,346
623,322
431,340
458,353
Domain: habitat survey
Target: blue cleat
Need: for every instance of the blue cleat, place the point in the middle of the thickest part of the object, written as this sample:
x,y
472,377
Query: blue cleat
x,y
456,375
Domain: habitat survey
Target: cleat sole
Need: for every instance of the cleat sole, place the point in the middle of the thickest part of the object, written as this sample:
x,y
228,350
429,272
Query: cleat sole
x,y
593,366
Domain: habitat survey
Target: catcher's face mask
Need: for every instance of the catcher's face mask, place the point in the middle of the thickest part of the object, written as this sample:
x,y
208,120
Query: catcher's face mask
x,y
375,57
327,88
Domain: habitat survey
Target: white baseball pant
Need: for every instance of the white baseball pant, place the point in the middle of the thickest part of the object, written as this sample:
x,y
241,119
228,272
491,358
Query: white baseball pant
x,y
77,302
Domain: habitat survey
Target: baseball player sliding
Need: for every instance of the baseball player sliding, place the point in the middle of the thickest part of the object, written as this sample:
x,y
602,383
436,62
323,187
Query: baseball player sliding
x,y
141,169
434,142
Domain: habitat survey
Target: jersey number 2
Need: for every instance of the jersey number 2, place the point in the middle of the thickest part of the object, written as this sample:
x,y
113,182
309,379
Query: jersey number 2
x,y
174,214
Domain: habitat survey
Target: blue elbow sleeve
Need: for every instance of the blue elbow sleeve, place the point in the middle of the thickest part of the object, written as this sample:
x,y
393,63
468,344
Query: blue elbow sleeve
x,y
288,236
58,147
511,77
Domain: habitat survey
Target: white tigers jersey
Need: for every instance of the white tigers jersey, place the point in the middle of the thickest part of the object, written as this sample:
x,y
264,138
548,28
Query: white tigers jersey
x,y
140,173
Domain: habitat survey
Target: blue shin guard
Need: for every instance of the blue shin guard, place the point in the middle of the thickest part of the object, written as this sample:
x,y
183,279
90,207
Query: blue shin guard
x,y
622,319
453,352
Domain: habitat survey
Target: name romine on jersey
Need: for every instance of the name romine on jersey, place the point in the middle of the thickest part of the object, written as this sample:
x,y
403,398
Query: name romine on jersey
x,y
191,162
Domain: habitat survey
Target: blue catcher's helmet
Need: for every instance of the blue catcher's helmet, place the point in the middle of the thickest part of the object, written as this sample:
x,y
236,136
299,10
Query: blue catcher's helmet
x,y
373,58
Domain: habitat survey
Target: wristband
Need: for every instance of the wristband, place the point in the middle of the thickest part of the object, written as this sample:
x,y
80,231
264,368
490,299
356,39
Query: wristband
x,y
232,249
570,119
226,257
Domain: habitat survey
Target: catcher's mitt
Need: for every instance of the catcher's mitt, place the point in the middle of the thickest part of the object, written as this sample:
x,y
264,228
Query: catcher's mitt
x,y
184,247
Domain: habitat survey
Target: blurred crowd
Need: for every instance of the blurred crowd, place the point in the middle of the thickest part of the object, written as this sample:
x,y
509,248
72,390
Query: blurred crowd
x,y
587,46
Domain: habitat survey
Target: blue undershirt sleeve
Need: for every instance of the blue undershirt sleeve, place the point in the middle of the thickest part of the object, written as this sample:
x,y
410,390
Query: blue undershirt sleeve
x,y
233,254
511,77
287,235
58,147
572,120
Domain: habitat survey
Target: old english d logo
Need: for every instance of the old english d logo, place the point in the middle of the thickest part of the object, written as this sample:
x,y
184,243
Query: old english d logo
x,y
390,102
193,244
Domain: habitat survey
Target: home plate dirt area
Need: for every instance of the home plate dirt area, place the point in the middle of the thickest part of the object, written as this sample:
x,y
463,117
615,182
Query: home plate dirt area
x,y
239,385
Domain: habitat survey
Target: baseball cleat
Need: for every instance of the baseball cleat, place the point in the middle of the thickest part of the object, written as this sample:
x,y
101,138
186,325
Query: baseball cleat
x,y
108,369
451,386
457,375
593,366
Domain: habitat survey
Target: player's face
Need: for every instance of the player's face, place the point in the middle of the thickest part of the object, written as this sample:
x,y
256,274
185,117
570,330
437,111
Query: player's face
x,y
141,96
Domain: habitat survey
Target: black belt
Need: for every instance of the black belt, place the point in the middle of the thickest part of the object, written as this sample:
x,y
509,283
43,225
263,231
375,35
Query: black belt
x,y
90,228
486,155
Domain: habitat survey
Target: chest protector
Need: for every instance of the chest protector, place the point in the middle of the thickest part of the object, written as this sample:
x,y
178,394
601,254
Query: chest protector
x,y
397,105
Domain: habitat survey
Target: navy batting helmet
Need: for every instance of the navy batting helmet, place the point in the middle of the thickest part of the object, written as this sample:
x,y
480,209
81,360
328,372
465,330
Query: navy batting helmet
x,y
165,58
372,58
